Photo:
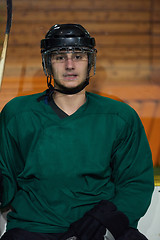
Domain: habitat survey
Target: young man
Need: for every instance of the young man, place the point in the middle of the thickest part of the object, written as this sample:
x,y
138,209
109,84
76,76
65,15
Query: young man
x,y
74,165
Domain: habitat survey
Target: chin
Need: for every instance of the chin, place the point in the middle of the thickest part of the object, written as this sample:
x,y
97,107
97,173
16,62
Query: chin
x,y
63,85
70,86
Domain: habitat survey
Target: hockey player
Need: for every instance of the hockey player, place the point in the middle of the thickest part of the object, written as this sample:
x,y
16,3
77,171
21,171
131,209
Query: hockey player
x,y
75,165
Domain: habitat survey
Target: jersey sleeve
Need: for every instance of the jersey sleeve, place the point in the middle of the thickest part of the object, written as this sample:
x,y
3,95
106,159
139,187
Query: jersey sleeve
x,y
9,160
132,171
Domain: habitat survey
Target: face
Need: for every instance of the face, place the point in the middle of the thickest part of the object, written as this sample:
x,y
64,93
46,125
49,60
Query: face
x,y
69,69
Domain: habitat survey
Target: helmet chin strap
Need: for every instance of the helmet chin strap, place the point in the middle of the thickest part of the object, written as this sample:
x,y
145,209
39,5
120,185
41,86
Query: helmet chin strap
x,y
70,91
64,90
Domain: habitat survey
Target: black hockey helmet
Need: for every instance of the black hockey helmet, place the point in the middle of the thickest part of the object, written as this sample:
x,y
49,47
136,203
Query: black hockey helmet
x,y
69,38
67,35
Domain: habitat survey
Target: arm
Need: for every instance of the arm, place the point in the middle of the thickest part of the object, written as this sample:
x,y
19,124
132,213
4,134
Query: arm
x,y
132,171
9,156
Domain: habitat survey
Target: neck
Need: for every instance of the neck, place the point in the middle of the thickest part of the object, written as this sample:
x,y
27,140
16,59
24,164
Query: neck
x,y
69,103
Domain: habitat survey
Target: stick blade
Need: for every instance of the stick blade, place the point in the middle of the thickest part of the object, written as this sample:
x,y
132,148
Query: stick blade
x,y
3,58
5,43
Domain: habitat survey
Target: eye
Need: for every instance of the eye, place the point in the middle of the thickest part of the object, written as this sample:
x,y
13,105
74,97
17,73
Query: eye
x,y
79,56
58,57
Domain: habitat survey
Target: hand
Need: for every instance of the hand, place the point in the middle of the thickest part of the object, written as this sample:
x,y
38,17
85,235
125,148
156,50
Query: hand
x,y
107,214
85,228
92,226
88,228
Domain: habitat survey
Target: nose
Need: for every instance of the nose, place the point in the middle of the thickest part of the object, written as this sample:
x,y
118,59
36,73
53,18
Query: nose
x,y
69,64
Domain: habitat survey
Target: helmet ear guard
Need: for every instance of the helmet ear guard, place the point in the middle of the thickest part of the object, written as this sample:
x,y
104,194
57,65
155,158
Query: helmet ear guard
x,y
46,63
92,63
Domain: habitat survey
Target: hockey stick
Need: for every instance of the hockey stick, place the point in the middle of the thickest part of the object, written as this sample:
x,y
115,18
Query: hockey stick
x,y
5,44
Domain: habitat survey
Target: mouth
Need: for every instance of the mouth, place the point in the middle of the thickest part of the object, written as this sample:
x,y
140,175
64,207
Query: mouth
x,y
70,76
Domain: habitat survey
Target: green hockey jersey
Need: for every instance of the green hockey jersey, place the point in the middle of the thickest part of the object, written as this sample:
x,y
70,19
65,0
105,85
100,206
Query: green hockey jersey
x,y
54,170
